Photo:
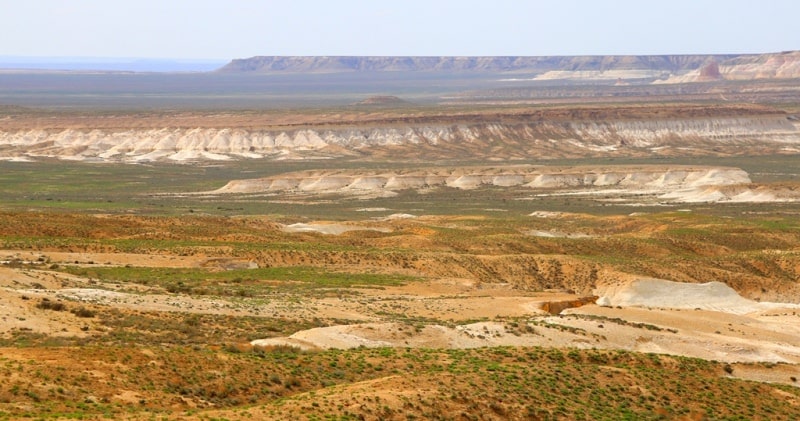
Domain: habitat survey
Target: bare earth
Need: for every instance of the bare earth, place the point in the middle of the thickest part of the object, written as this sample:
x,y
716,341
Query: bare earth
x,y
739,331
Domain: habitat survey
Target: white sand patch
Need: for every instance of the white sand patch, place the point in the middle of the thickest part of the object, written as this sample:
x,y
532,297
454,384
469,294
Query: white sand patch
x,y
705,195
333,229
395,216
557,234
296,343
340,337
15,159
194,155
612,74
547,214
373,335
367,183
659,293
73,158
464,182
733,194
90,294
249,155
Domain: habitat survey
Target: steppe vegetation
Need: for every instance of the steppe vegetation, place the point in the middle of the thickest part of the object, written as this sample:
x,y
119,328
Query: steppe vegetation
x,y
132,291
133,359
274,383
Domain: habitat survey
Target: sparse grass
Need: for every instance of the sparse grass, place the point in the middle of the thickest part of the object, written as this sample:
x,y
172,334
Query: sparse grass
x,y
673,245
239,282
517,382
121,188
148,364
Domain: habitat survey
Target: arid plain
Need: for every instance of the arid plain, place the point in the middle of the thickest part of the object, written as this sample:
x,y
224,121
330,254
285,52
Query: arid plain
x,y
490,244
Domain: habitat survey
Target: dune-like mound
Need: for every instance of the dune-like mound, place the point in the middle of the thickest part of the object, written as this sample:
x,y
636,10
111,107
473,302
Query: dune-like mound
x,y
713,296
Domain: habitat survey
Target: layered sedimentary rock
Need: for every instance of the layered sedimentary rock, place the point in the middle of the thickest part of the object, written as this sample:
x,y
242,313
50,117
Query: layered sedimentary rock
x,y
642,184
655,178
483,138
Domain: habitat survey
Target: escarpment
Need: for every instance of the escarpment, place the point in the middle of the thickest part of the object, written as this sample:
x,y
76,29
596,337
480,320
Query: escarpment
x,y
486,137
465,178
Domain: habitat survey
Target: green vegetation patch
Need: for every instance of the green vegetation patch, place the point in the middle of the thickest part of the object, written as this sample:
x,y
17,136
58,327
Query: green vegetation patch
x,y
254,281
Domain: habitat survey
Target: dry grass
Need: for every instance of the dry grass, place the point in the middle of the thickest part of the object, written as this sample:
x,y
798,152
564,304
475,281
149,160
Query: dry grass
x,y
198,364
501,383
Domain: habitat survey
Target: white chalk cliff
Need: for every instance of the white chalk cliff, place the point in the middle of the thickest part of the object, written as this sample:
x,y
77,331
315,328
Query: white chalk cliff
x,y
498,140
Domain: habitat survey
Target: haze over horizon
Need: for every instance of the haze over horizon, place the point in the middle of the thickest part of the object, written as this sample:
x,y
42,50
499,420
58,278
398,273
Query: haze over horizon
x,y
213,31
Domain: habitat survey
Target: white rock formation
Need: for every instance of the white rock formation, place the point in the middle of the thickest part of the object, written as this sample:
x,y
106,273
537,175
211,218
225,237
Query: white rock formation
x,y
541,139
678,183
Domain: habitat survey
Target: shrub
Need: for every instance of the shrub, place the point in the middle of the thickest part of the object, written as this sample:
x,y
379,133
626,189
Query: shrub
x,y
46,304
83,312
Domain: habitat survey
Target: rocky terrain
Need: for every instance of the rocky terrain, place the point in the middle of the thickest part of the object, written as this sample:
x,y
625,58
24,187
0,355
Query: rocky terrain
x,y
197,317
491,134
673,184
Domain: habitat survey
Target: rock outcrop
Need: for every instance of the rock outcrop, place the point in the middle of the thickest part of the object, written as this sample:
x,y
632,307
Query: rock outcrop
x,y
495,138
784,65
638,178
639,184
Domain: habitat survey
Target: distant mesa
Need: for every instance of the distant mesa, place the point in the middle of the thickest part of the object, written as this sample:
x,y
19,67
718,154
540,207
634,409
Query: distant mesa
x,y
470,64
608,69
383,100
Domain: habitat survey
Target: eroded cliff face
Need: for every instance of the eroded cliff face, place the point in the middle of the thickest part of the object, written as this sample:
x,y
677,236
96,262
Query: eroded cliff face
x,y
486,139
651,184
657,181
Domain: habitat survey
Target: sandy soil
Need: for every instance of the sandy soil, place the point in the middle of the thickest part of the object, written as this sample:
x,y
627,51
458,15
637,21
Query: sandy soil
x,y
732,329
328,228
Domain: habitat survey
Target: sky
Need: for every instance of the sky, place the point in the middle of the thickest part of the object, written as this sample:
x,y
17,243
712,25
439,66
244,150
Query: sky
x,y
227,29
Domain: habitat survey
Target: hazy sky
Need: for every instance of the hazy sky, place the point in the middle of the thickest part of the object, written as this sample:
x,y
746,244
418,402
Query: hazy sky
x,y
217,29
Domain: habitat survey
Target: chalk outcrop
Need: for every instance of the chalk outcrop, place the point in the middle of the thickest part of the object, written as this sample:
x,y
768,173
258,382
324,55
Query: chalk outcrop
x,y
653,179
487,139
